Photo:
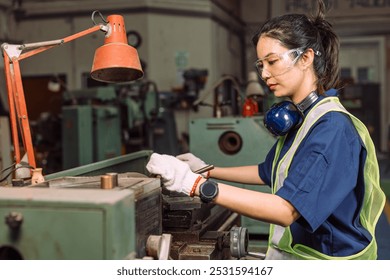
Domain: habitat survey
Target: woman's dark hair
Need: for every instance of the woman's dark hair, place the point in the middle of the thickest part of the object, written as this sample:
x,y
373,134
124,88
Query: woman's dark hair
x,y
301,31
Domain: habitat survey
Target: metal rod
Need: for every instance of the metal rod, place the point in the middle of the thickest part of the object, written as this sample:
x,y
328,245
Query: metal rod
x,y
41,44
204,169
256,255
60,41
228,222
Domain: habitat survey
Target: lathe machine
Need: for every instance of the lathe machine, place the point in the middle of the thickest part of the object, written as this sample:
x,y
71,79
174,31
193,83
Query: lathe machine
x,y
113,210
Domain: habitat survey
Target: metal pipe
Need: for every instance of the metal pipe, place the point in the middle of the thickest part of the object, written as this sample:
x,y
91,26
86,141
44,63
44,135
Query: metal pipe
x,y
41,44
256,255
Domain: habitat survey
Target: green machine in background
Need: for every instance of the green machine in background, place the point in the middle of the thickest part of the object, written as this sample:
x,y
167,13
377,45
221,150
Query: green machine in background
x,y
104,122
233,141
91,129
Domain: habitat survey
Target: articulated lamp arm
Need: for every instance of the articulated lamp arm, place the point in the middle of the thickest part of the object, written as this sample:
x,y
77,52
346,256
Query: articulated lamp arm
x,y
17,104
112,65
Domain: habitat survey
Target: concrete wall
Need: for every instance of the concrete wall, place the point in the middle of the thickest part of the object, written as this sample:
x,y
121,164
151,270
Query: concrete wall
x,y
167,27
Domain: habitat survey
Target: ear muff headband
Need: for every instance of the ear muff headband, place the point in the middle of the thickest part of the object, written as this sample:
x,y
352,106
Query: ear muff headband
x,y
285,115
282,117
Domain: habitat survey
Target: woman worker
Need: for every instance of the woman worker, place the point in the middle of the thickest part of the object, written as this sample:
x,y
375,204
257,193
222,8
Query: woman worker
x,y
323,170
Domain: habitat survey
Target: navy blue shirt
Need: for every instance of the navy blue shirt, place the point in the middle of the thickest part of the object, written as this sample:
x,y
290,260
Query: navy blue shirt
x,y
325,184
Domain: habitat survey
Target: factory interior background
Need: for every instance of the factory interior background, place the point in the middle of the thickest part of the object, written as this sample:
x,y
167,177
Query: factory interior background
x,y
197,58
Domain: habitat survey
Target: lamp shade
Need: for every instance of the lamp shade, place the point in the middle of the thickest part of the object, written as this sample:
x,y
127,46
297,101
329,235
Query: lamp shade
x,y
116,61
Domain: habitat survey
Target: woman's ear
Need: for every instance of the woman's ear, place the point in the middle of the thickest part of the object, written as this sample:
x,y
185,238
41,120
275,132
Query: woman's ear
x,y
307,58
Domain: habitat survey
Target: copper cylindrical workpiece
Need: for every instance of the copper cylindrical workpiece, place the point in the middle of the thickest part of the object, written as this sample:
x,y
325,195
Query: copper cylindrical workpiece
x,y
114,178
106,182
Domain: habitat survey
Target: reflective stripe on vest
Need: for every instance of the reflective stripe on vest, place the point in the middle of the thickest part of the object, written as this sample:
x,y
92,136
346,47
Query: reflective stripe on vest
x,y
280,239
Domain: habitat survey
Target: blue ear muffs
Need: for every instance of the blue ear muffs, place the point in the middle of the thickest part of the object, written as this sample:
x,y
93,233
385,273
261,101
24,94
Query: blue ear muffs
x,y
282,117
285,115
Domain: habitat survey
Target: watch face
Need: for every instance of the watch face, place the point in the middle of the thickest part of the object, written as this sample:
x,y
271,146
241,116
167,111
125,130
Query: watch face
x,y
208,189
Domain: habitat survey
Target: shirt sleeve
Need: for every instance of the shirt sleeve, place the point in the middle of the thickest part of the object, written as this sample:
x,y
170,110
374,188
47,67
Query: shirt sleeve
x,y
324,169
265,168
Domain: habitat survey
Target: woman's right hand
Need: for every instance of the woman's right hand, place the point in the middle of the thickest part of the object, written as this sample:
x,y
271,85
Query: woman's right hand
x,y
194,162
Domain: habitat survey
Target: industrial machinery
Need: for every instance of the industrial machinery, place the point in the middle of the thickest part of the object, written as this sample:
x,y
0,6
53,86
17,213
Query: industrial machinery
x,y
194,81
85,125
148,120
134,114
199,230
92,212
67,224
69,216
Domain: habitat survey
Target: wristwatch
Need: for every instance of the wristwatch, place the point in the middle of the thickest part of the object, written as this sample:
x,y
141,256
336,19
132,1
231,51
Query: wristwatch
x,y
208,191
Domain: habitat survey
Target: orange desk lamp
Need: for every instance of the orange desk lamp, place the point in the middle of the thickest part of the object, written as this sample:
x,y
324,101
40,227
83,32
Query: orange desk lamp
x,y
114,62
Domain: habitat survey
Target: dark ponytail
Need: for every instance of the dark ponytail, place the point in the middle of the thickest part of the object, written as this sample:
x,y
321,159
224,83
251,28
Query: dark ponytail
x,y
301,31
327,66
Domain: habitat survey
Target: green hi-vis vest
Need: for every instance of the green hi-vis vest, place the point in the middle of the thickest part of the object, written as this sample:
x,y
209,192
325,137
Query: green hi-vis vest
x,y
280,239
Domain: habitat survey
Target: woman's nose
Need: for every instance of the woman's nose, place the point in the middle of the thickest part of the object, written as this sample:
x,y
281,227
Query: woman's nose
x,y
265,75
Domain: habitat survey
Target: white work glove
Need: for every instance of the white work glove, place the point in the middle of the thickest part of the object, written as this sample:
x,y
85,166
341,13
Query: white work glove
x,y
175,174
194,162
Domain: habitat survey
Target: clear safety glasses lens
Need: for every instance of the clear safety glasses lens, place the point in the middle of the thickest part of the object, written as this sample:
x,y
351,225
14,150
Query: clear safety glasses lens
x,y
278,64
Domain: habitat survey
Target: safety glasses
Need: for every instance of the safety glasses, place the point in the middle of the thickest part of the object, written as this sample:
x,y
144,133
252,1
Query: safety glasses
x,y
278,64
